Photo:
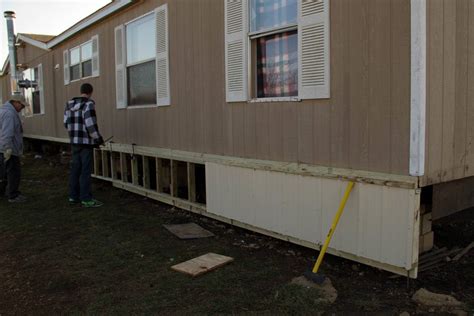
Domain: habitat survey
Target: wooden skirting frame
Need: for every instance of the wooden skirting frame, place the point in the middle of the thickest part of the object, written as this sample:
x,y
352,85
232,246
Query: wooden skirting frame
x,y
391,180
170,181
181,179
48,138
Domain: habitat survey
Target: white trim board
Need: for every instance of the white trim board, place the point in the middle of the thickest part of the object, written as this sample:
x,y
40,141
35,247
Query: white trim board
x,y
85,23
6,64
26,39
47,138
418,88
88,21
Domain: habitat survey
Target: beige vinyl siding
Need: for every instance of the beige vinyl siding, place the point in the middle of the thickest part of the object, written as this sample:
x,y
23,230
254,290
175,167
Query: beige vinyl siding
x,y
5,87
27,52
450,96
46,123
364,125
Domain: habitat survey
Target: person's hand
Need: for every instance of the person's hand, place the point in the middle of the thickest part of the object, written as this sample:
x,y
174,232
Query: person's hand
x,y
100,142
7,154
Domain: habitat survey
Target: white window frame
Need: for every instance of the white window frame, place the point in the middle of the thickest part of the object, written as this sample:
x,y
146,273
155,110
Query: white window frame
x,y
161,58
252,76
136,63
79,47
67,61
39,88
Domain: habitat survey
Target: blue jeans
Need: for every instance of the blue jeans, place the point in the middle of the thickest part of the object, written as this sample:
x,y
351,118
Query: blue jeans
x,y
10,173
80,176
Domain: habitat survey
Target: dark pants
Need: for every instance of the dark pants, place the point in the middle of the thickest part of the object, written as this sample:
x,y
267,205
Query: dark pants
x,y
10,173
80,176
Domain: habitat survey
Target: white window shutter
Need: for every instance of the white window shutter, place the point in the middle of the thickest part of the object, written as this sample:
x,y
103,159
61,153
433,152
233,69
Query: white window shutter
x,y
120,67
162,56
236,50
66,66
95,55
313,49
40,87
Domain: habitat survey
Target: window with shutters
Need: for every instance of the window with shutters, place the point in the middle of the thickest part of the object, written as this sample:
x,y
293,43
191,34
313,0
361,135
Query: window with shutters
x,y
34,93
141,61
274,48
82,61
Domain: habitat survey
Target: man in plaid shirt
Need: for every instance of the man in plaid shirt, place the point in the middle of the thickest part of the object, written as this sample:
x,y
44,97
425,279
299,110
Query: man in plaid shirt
x,y
80,121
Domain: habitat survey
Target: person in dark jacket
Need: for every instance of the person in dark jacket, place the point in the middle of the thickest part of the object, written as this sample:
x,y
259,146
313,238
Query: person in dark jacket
x,y
11,148
80,121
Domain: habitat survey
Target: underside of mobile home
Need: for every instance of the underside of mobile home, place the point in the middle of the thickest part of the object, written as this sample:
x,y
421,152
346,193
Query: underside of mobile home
x,y
278,165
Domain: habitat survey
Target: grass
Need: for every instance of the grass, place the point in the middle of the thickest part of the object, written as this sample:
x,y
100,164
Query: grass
x,y
62,259
117,258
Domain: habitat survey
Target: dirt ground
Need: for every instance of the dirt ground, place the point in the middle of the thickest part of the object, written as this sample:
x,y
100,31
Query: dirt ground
x,y
58,259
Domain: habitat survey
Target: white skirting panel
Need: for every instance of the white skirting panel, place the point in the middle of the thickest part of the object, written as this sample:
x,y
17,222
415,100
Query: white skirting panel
x,y
379,225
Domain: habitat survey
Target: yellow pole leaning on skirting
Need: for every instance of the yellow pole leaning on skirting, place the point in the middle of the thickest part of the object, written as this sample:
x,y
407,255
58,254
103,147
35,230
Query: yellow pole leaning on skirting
x,y
350,185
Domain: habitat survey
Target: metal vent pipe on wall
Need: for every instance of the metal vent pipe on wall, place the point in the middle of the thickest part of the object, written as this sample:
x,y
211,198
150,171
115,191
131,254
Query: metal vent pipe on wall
x,y
9,16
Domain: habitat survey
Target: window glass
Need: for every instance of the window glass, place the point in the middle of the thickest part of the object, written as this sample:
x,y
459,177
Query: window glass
x,y
28,74
141,40
277,65
86,51
266,14
75,56
87,68
36,102
32,94
141,83
75,72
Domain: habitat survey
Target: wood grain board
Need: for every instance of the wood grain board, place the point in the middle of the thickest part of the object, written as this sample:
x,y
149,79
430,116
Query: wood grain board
x,y
188,231
202,264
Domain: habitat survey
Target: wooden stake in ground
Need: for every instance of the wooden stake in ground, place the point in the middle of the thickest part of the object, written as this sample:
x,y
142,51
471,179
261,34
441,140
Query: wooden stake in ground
x,y
202,264
462,253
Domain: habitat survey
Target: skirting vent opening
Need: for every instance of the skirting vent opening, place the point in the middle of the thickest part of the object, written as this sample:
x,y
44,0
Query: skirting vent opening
x,y
163,167
200,176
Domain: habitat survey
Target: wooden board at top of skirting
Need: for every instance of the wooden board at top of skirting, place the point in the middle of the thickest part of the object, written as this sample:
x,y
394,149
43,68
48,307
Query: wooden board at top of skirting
x,y
202,264
188,231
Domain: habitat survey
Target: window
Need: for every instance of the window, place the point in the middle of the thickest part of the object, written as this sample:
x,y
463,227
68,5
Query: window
x,y
86,59
82,61
34,94
277,49
141,60
274,41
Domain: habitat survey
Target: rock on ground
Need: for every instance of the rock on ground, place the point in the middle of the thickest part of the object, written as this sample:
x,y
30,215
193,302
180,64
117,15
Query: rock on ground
x,y
427,298
441,302
327,291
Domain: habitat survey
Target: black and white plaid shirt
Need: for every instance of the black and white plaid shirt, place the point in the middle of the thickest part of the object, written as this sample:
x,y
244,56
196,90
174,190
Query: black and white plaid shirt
x,y
80,121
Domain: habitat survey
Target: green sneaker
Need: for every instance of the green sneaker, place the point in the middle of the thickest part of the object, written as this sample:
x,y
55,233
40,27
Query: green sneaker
x,y
74,201
91,203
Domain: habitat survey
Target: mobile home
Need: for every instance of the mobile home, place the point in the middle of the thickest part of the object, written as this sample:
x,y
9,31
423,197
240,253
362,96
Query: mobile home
x,y
259,112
